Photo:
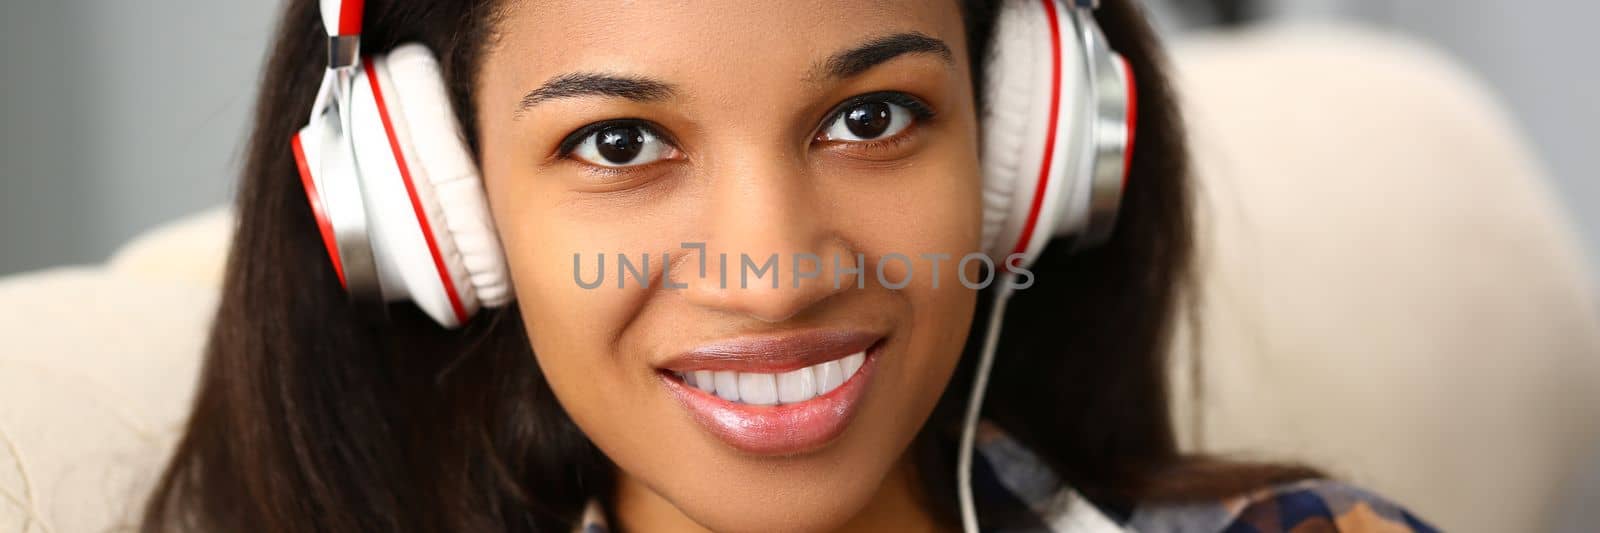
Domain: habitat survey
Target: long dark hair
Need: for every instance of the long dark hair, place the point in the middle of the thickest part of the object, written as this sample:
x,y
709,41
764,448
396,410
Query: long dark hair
x,y
310,416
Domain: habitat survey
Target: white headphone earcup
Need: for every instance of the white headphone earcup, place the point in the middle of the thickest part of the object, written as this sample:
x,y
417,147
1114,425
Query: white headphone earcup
x,y
1017,93
444,174
416,259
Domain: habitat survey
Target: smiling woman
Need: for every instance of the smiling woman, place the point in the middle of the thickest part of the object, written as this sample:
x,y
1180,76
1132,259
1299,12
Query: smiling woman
x,y
843,133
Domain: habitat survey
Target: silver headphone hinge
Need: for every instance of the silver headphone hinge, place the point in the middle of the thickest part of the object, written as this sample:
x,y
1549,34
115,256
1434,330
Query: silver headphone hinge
x,y
344,51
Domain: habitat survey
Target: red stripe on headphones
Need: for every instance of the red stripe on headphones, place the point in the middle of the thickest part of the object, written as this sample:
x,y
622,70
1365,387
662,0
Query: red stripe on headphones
x,y
1133,120
1050,133
350,17
411,189
315,198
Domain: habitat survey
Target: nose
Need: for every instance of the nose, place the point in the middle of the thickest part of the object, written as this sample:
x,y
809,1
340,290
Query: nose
x,y
770,252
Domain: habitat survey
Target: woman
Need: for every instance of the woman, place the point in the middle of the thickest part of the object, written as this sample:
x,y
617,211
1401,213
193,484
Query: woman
x,y
733,128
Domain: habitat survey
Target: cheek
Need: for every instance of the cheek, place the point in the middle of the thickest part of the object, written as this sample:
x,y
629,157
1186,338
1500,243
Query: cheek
x,y
552,254
913,218
929,216
571,328
929,204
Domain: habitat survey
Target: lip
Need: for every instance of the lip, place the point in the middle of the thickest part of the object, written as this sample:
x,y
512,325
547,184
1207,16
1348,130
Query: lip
x,y
772,353
785,429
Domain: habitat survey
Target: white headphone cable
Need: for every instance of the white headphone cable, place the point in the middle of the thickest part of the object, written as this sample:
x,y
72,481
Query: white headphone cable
x,y
980,383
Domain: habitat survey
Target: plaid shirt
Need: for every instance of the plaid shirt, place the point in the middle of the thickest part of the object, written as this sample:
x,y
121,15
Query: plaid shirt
x,y
1016,492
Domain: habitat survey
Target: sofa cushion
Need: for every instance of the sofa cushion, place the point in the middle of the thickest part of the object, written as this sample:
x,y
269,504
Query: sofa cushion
x,y
95,380
1390,289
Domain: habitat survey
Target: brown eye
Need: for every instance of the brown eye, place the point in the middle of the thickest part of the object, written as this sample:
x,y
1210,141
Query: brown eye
x,y
621,145
869,121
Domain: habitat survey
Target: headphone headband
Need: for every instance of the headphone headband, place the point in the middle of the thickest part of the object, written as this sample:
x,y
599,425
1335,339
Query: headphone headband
x,y
342,17
342,20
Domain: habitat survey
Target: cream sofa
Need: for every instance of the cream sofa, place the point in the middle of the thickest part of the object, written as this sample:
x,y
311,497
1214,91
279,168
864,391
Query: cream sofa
x,y
1390,291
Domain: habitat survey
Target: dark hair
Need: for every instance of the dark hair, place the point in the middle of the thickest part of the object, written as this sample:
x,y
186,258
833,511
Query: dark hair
x,y
310,416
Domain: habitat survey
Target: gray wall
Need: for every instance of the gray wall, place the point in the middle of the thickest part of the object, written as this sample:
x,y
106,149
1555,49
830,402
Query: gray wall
x,y
119,115
1538,55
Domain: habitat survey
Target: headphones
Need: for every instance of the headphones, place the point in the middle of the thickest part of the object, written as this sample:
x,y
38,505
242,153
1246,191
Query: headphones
x,y
401,209
400,205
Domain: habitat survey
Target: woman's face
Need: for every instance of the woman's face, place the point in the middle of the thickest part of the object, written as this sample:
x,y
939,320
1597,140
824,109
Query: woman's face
x,y
813,130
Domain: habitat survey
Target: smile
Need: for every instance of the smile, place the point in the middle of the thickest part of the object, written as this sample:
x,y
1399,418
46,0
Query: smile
x,y
756,388
775,395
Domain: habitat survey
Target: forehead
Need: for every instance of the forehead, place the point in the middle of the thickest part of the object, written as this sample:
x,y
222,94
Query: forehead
x,y
689,40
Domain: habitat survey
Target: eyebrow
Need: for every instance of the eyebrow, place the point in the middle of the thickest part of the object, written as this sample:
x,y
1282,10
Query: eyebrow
x,y
852,62
581,84
844,64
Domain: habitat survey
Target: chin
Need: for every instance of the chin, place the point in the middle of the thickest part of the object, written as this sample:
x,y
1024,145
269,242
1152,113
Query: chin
x,y
806,495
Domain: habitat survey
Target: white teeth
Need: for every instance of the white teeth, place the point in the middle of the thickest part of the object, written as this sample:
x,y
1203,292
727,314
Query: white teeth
x,y
758,389
829,376
727,382
704,380
853,362
795,386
